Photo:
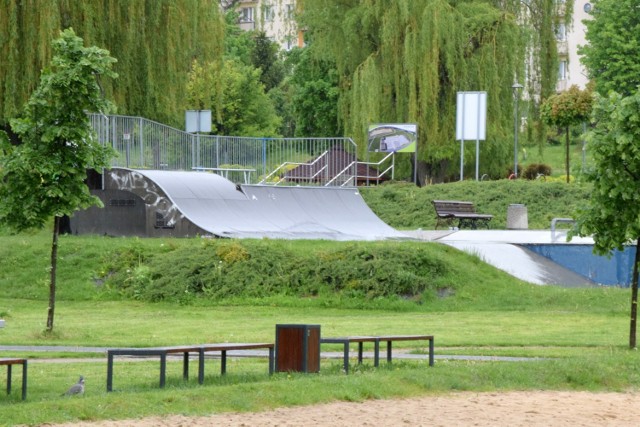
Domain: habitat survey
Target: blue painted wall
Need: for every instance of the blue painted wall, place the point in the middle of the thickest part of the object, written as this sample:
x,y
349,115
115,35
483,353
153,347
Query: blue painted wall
x,y
614,271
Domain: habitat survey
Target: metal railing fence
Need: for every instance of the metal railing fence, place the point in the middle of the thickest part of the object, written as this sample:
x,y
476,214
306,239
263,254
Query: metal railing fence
x,y
140,143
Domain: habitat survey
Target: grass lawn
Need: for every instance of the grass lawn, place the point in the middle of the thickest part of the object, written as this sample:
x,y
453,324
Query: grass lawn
x,y
578,338
577,349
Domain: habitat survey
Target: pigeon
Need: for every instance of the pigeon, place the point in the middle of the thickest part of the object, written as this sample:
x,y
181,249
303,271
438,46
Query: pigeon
x,y
77,388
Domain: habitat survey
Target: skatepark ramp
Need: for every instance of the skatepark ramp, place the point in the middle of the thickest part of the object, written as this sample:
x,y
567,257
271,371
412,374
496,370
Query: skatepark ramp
x,y
157,203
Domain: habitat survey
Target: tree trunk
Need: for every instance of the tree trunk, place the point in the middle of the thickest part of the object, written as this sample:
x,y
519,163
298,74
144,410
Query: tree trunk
x,y
566,165
634,298
52,283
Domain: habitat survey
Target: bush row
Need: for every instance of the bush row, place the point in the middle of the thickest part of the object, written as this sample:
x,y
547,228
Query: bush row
x,y
220,269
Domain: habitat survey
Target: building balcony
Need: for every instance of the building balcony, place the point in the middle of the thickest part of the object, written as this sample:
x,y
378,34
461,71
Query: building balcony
x,y
562,85
247,25
563,48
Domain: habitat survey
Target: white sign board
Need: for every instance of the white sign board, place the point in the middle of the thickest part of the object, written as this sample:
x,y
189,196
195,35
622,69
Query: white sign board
x,y
198,121
471,116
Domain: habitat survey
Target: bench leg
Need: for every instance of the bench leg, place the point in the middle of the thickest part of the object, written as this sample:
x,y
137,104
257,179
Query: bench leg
x,y
9,367
200,366
345,358
185,366
24,380
376,353
431,350
223,362
360,345
271,361
388,351
163,369
109,372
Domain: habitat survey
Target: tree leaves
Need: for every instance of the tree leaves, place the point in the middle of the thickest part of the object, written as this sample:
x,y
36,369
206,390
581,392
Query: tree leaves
x,y
612,215
44,176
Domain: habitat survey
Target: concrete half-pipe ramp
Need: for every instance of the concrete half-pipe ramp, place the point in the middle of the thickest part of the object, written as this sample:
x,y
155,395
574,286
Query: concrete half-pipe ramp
x,y
195,203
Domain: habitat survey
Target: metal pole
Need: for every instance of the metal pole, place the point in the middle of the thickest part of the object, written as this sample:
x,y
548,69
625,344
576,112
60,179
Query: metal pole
x,y
462,142
478,138
516,87
140,124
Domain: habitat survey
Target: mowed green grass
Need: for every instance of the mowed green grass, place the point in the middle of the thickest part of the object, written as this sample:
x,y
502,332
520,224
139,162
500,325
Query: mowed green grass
x,y
569,350
575,339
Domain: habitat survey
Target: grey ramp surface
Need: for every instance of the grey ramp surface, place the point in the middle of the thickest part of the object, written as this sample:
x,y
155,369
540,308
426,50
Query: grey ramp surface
x,y
254,211
515,259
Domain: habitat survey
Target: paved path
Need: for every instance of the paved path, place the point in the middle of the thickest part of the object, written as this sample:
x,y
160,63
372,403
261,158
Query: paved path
x,y
398,354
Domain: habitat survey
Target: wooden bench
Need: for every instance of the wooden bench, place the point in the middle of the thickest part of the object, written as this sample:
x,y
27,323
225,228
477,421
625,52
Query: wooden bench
x,y
9,362
200,349
448,211
388,339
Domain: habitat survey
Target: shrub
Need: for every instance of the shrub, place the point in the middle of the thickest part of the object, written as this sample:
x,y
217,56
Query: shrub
x,y
535,170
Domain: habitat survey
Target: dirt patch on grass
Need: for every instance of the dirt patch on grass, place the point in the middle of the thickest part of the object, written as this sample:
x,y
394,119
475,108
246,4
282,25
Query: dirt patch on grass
x,y
537,408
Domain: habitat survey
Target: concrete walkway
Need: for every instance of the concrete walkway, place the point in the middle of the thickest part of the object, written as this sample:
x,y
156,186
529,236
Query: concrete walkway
x,y
397,354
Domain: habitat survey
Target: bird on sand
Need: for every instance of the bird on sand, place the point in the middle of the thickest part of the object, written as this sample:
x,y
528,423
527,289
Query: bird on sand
x,y
77,388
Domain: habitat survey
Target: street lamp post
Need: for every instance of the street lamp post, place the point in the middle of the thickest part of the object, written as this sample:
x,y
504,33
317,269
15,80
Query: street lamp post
x,y
516,92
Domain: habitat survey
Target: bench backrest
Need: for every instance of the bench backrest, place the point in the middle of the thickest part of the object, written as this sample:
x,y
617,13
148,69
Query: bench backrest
x,y
453,206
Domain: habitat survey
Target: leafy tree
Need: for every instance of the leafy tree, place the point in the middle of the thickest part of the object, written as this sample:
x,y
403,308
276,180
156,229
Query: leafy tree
x,y
245,109
612,215
265,58
282,100
316,91
45,176
567,108
238,43
612,54
204,90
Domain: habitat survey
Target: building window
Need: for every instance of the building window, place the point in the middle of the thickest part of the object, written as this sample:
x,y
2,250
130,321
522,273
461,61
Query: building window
x,y
291,8
290,42
561,32
268,13
562,70
246,14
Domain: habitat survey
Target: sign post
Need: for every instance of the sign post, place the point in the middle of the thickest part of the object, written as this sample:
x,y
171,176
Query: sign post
x,y
471,118
197,121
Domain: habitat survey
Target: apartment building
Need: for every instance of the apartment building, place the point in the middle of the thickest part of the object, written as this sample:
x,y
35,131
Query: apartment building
x,y
275,17
570,69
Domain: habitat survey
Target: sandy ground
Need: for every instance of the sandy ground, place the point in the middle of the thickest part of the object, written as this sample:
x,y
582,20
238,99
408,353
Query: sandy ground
x,y
511,409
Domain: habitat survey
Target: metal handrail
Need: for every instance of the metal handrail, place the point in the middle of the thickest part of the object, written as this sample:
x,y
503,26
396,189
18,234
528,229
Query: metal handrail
x,y
342,172
554,221
263,181
380,174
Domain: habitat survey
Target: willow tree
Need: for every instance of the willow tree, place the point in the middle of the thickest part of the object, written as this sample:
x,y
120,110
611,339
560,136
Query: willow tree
x,y
154,41
403,61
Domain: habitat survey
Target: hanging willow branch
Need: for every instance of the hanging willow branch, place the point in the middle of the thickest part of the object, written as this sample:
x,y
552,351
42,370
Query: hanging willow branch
x,y
154,42
405,61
